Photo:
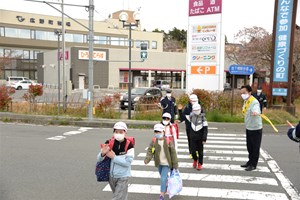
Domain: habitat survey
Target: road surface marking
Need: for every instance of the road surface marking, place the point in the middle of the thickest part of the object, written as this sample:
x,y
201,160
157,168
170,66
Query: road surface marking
x,y
208,192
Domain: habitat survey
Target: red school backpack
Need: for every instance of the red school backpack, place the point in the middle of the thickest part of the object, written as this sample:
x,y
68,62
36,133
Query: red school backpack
x,y
128,141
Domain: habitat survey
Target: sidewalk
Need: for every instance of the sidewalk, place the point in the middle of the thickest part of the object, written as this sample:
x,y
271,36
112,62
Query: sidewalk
x,y
141,124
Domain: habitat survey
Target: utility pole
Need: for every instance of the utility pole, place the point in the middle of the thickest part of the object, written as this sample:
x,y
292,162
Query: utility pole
x,y
63,58
91,65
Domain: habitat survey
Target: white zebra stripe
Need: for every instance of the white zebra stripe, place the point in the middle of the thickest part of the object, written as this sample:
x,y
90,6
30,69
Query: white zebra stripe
x,y
208,192
231,152
219,158
209,177
206,166
217,146
217,138
216,141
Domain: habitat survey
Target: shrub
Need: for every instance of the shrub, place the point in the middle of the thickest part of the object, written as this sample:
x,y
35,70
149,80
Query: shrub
x,y
5,98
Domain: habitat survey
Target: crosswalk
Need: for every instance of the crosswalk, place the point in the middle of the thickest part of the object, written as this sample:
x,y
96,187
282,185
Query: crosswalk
x,y
221,176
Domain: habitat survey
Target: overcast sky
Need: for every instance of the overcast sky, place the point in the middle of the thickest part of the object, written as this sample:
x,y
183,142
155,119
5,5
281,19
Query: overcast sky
x,y
164,14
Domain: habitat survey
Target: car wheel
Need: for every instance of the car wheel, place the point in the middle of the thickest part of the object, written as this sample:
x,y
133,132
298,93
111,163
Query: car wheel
x,y
19,88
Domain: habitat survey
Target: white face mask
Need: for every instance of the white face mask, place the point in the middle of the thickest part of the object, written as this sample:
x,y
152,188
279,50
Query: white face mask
x,y
165,122
197,112
168,95
245,96
258,92
119,137
193,102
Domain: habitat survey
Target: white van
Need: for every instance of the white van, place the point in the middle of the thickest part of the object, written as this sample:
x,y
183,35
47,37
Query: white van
x,y
162,84
13,79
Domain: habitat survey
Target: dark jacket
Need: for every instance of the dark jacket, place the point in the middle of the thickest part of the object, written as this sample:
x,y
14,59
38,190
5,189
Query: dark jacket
x,y
294,133
199,127
261,99
169,106
186,112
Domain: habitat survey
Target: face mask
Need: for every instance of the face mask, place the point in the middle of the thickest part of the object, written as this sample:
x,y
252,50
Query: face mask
x,y
193,102
245,96
165,122
258,92
169,95
159,135
119,137
197,112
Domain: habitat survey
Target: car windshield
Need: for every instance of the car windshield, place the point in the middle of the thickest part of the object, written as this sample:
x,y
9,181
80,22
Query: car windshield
x,y
138,91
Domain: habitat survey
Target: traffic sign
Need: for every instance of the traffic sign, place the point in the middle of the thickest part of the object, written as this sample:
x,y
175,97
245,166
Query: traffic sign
x,y
279,92
144,55
241,69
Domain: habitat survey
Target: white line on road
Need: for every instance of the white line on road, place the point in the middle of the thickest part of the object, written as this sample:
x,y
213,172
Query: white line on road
x,y
217,146
70,133
216,141
210,177
285,182
219,158
205,166
208,192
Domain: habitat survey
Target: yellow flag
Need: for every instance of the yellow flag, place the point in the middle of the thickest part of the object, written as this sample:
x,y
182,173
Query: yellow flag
x,y
268,120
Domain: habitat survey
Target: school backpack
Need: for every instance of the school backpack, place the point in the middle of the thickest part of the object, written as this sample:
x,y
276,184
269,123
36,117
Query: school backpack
x,y
128,141
103,168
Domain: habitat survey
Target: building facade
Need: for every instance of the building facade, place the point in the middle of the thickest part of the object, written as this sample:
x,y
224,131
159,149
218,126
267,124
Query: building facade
x,y
31,44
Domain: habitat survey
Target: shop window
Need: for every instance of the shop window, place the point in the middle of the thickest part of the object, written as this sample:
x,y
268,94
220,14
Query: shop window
x,y
154,45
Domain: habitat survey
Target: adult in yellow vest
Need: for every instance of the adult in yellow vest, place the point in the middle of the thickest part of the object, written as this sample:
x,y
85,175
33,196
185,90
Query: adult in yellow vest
x,y
253,122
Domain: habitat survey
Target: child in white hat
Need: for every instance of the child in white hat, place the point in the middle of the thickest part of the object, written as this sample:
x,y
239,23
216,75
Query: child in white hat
x,y
165,157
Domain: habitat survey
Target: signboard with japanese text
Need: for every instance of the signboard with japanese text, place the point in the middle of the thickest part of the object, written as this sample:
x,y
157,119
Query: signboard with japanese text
x,y
97,55
282,41
241,69
205,46
204,7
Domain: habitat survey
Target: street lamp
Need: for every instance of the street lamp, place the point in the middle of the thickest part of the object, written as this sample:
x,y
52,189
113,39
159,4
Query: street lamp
x,y
124,18
58,33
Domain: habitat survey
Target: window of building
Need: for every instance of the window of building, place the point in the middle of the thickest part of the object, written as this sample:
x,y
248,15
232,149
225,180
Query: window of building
x,y
1,52
7,52
1,31
11,32
59,23
32,20
26,54
100,40
154,44
42,21
78,38
32,34
50,22
115,41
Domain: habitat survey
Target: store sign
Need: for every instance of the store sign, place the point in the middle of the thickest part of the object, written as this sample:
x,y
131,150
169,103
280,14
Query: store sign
x,y
204,7
282,40
203,70
97,55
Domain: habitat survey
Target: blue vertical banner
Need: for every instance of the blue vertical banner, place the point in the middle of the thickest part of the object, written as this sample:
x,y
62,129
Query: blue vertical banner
x,y
282,40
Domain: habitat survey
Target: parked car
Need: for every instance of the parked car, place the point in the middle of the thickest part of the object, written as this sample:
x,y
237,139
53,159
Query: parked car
x,y
141,94
19,85
162,84
14,79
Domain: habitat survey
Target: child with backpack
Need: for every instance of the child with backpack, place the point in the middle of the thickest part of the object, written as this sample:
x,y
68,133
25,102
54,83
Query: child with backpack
x,y
198,134
120,149
165,157
170,129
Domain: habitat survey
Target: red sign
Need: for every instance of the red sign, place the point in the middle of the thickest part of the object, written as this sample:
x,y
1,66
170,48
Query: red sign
x,y
66,55
204,7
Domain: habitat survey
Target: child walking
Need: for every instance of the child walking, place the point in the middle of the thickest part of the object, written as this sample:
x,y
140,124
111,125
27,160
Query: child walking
x,y
120,150
170,130
165,157
198,135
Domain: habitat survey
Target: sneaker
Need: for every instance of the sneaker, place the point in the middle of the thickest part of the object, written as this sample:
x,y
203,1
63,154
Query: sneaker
x,y
161,197
199,167
195,164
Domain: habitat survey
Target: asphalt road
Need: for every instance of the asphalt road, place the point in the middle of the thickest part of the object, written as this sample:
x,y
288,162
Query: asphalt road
x,y
57,163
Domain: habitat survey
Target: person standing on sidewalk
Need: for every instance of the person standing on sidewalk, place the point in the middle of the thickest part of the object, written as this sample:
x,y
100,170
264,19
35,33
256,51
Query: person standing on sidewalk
x,y
261,97
253,123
